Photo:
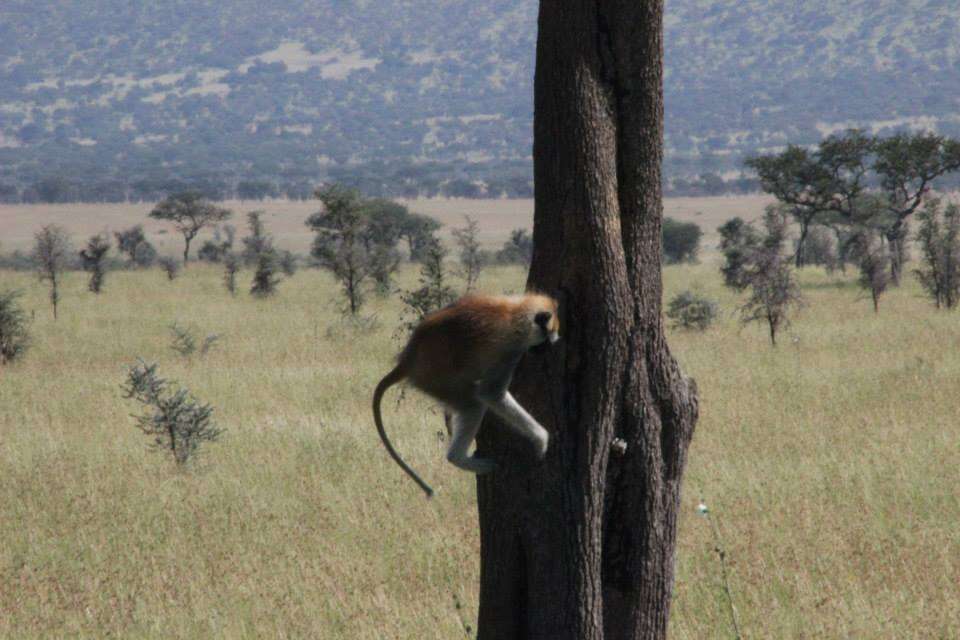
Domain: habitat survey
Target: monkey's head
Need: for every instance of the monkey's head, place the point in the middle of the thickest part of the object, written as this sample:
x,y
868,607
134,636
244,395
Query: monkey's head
x,y
546,321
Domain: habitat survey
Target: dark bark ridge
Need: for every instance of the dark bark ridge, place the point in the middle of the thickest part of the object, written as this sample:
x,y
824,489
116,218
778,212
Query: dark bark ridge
x,y
582,545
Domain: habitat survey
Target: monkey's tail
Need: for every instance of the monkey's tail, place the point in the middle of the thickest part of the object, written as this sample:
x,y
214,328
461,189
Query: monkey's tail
x,y
389,380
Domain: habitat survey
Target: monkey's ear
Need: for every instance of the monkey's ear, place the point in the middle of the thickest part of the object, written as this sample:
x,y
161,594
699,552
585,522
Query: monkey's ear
x,y
542,318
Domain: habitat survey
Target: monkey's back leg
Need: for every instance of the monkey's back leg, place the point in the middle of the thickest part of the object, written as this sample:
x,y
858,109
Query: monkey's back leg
x,y
466,424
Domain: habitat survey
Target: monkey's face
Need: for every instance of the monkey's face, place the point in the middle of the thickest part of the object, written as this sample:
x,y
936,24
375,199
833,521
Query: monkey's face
x,y
547,327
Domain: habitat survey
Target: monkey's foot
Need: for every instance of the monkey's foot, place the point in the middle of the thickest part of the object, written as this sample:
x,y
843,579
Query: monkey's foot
x,y
540,444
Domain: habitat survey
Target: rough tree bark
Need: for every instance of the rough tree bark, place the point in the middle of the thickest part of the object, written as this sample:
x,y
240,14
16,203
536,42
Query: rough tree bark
x,y
581,546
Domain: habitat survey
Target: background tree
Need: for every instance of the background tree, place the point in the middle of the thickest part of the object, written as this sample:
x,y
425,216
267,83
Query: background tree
x,y
681,241
257,240
434,293
471,256
737,243
170,267
517,250
773,288
581,546
231,265
190,212
222,244
258,250
907,165
93,260
50,255
350,245
256,190
265,278
135,245
939,240
418,230
874,264
813,184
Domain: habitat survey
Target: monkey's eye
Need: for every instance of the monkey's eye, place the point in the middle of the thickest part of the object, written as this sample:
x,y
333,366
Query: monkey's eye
x,y
542,319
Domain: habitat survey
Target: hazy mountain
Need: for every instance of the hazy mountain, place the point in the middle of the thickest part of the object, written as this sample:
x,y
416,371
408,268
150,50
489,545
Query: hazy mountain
x,y
293,91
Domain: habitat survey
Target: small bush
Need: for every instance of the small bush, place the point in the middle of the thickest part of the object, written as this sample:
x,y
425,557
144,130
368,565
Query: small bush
x,y
14,336
691,311
222,244
176,420
170,266
93,256
434,292
145,255
288,262
231,265
265,278
185,343
681,241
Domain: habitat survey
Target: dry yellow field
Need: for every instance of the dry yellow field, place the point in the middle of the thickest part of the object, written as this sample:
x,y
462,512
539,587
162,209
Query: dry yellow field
x,y
285,218
831,464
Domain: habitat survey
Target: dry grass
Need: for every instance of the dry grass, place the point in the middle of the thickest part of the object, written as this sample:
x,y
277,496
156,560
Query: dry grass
x,y
830,463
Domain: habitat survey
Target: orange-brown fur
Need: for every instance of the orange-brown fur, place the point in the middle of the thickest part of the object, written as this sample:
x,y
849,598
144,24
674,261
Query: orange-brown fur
x,y
452,348
475,341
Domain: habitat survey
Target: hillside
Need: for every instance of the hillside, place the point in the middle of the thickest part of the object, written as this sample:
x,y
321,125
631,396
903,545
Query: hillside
x,y
408,97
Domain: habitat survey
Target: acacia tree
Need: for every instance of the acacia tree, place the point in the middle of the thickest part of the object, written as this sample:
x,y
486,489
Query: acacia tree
x,y
189,212
907,165
581,546
817,184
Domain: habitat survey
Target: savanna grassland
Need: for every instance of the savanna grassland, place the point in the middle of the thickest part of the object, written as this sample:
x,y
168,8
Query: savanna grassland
x,y
830,466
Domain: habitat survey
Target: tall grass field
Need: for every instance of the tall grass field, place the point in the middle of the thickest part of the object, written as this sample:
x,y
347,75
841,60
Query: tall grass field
x,y
829,465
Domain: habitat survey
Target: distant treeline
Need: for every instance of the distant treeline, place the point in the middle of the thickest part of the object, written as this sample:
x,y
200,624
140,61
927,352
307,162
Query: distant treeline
x,y
378,179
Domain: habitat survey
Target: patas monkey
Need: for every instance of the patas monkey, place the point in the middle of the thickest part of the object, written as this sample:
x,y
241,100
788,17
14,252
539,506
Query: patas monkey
x,y
464,356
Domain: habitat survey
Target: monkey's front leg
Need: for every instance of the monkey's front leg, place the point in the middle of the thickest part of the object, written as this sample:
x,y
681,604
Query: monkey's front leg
x,y
466,424
510,411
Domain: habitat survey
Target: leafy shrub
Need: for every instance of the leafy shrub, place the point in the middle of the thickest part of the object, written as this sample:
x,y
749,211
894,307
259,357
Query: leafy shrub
x,y
265,278
145,255
689,310
176,420
231,265
738,241
14,336
681,241
93,256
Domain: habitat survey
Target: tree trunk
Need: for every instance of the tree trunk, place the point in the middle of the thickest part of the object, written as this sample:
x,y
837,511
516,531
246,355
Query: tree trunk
x,y
895,239
186,249
581,546
801,243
